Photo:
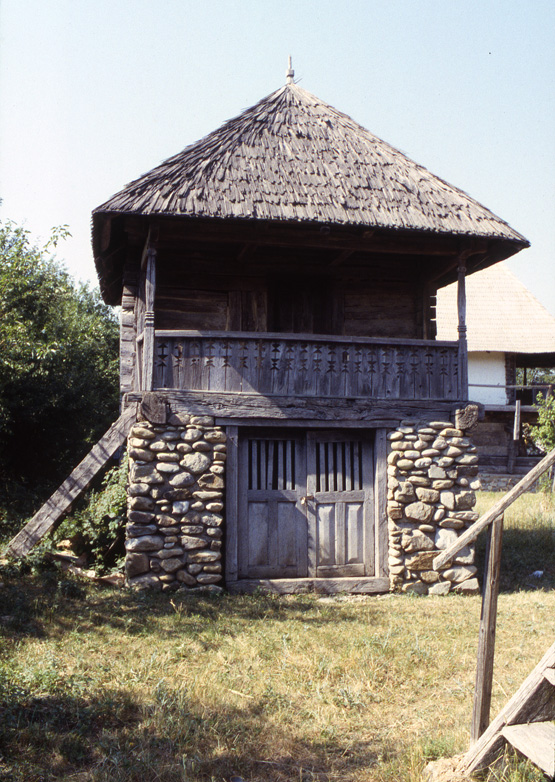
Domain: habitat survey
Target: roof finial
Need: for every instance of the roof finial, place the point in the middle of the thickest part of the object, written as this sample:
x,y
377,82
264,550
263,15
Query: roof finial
x,y
290,72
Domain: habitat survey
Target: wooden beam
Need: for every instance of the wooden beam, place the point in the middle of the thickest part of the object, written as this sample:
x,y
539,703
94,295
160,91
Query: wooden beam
x,y
60,502
463,343
148,344
280,408
499,507
486,640
533,702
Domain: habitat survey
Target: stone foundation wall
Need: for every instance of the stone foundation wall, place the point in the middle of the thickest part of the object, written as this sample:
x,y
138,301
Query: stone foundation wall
x,y
432,469
175,503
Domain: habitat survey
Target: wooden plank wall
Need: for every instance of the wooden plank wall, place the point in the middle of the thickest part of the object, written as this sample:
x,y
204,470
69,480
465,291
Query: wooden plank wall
x,y
386,301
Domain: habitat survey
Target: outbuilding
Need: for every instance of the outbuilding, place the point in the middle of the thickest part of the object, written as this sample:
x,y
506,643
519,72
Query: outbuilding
x,y
300,427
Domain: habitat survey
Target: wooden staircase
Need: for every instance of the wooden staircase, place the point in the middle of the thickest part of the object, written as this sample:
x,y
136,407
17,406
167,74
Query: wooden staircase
x,y
526,723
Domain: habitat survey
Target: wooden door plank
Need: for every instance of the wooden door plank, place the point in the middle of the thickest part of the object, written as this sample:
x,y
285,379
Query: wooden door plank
x,y
231,505
59,503
536,741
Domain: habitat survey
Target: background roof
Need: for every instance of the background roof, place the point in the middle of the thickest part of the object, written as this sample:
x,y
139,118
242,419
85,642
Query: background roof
x,y
501,314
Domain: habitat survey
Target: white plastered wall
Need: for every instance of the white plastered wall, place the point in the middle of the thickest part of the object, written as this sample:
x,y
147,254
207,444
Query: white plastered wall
x,y
487,369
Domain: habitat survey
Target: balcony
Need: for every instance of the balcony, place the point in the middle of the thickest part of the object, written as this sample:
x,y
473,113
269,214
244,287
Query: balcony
x,y
307,365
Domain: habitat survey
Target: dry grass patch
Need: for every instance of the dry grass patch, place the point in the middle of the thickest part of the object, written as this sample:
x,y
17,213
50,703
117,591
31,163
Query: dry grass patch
x,y
125,687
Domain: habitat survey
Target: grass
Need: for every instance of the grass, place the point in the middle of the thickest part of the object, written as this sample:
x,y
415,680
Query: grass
x,y
98,685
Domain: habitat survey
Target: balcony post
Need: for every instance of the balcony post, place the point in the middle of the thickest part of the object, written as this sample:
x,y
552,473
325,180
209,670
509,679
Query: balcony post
x,y
463,344
148,343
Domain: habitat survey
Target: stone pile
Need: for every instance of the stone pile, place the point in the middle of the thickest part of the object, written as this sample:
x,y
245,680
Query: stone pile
x,y
432,469
175,503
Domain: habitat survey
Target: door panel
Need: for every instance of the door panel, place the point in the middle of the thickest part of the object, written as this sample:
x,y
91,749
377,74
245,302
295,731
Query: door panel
x,y
272,540
339,505
305,506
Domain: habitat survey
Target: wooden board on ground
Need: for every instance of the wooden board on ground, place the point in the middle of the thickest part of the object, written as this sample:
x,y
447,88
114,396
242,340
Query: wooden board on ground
x,y
326,586
536,741
60,502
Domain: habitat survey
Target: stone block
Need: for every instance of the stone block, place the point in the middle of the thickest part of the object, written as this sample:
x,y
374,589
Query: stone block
x,y
180,507
182,480
417,541
460,573
201,446
212,519
196,463
142,432
427,495
405,493
185,578
208,578
145,543
470,587
211,481
135,564
171,565
201,557
141,455
140,517
415,587
191,543
419,511
447,499
216,436
445,538
136,530
167,468
146,581
464,500
441,588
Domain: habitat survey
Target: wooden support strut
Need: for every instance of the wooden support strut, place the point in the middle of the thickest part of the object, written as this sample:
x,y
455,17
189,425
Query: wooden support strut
x,y
486,640
60,502
148,341
463,343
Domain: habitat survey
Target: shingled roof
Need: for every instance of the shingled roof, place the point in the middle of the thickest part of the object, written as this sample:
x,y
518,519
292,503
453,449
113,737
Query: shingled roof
x,y
502,315
292,157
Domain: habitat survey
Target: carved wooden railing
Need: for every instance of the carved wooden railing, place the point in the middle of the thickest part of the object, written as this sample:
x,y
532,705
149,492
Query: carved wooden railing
x,y
306,365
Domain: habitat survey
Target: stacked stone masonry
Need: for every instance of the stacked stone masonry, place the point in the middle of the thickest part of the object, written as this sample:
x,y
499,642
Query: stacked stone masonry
x,y
175,503
432,478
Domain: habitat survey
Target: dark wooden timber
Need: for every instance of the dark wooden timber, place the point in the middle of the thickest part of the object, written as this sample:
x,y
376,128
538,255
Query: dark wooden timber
x,y
486,640
231,406
463,343
326,586
148,338
60,502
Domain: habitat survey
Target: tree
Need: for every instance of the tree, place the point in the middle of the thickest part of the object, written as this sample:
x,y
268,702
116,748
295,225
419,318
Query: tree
x,y
58,368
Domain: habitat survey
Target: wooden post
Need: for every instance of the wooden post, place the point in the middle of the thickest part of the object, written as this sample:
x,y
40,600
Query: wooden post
x,y
148,341
486,639
463,344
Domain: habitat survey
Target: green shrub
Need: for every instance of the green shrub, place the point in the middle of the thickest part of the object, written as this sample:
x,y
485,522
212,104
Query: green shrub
x,y
97,528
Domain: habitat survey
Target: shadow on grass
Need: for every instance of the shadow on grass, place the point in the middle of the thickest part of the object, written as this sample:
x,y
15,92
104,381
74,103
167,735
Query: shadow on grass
x,y
47,604
57,736
525,554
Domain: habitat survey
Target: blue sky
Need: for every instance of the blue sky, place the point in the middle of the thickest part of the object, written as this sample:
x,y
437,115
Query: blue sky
x,y
96,92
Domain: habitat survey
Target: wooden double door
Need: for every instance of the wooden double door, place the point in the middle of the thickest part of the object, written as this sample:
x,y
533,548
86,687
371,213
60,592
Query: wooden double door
x,y
305,506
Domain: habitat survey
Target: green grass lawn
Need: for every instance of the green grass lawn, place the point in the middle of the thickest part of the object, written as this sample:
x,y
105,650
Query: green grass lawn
x,y
98,684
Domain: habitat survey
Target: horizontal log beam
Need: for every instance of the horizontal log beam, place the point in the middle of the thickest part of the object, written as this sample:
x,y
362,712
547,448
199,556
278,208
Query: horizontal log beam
x,y
251,406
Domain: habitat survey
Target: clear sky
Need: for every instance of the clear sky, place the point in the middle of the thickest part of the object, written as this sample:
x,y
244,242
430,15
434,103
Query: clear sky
x,y
96,92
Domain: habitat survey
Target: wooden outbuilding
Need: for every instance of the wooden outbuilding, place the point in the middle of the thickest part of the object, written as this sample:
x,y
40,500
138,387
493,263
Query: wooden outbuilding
x,y
278,282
